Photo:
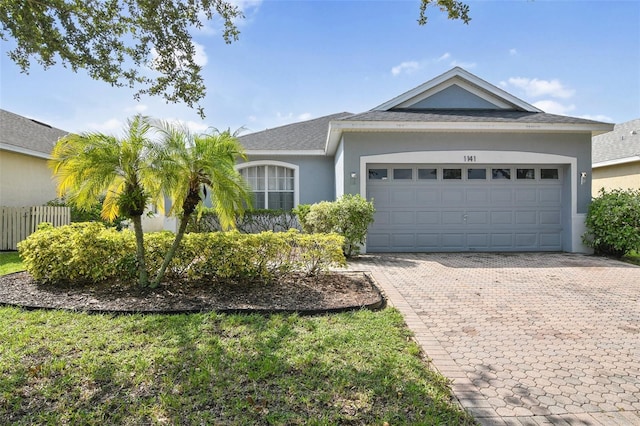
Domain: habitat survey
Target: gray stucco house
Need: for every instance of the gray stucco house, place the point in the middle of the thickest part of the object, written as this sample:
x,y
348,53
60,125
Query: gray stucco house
x,y
456,164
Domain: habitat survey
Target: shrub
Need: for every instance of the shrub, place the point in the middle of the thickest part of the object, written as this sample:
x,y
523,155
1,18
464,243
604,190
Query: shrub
x,y
80,252
252,222
90,253
613,222
349,216
301,212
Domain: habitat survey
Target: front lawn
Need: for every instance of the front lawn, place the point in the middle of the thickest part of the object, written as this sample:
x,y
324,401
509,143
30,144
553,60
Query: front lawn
x,y
10,262
60,367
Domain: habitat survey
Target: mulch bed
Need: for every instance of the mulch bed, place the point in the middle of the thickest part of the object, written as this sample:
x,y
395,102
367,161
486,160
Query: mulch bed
x,y
331,292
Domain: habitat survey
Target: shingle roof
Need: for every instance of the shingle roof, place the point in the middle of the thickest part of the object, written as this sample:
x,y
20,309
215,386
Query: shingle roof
x,y
623,142
23,133
302,136
469,116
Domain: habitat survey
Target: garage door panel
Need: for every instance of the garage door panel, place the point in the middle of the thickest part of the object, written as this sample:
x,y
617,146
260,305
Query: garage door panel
x,y
403,240
526,217
378,241
452,218
526,241
402,218
453,196
549,195
380,196
478,241
502,195
526,195
427,196
550,240
501,241
453,241
403,197
427,241
427,217
501,217
381,217
550,218
477,195
477,217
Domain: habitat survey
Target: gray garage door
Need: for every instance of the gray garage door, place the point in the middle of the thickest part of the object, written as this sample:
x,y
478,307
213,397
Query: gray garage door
x,y
423,208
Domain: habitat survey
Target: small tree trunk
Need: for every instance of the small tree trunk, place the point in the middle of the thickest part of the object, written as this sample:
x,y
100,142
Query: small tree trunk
x,y
172,251
143,278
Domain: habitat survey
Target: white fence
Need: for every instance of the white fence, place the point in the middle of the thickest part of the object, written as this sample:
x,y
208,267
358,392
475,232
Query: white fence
x,y
17,223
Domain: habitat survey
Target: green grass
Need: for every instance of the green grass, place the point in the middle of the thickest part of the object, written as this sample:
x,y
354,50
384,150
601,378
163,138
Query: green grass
x,y
633,257
10,262
61,367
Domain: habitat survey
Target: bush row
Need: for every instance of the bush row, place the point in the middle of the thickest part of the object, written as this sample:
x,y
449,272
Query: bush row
x,y
252,222
90,253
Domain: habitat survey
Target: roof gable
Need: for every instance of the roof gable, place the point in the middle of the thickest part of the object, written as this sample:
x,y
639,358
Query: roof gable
x,y
456,89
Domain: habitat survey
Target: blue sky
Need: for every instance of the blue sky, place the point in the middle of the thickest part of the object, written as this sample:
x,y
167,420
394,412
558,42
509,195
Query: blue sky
x,y
298,60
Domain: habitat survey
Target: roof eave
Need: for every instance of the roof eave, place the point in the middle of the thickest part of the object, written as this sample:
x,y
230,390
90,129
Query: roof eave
x,y
25,151
616,162
285,152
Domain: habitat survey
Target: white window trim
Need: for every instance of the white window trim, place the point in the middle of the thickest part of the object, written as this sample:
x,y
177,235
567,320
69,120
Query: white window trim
x,y
294,167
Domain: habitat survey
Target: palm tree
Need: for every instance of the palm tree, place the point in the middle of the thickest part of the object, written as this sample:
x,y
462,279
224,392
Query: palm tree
x,y
91,165
193,164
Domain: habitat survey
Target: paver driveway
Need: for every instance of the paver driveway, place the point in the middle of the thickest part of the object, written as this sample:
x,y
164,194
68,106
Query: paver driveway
x,y
527,338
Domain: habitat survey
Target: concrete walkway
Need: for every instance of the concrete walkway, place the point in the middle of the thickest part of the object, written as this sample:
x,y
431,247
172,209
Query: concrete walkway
x,y
527,338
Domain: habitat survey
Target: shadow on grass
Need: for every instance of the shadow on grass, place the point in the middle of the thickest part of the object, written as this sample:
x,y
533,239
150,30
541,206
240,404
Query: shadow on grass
x,y
350,368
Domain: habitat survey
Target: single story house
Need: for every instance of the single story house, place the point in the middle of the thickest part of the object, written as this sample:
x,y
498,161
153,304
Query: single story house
x,y
25,147
616,158
455,164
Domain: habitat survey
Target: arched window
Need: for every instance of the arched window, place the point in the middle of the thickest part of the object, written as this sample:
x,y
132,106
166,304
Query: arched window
x,y
274,184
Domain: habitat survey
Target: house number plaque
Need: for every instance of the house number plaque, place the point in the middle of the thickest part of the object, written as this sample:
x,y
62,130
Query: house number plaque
x,y
469,158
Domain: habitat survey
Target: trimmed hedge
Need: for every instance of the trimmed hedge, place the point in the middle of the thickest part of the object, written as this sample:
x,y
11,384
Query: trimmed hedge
x,y
91,253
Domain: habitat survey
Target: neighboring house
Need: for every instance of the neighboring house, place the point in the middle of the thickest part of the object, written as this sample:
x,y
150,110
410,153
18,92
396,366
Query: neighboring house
x,y
25,147
616,158
456,164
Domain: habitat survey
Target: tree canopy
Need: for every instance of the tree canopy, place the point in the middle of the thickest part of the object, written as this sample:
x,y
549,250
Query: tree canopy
x,y
143,44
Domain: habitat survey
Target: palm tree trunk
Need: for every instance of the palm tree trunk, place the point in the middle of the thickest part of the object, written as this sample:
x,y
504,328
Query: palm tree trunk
x,y
172,250
143,278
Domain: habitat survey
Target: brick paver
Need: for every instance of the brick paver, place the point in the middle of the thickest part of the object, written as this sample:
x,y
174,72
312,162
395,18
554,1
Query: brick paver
x,y
527,338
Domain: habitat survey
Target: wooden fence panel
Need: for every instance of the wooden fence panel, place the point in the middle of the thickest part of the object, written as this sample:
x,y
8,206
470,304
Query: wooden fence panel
x,y
17,223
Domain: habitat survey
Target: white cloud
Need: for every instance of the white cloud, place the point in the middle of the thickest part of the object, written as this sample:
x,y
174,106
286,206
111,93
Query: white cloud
x,y
407,67
553,107
137,109
513,52
444,57
200,57
109,126
292,118
536,88
598,117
